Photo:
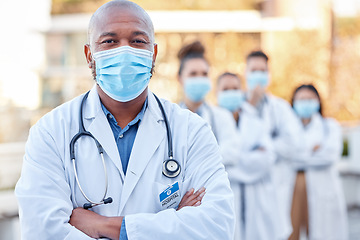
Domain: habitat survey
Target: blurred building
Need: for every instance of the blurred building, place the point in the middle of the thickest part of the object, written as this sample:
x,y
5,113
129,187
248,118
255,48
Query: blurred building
x,y
309,41
301,38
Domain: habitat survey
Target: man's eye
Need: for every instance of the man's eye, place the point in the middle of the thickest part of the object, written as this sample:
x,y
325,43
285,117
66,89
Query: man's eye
x,y
193,74
108,41
139,41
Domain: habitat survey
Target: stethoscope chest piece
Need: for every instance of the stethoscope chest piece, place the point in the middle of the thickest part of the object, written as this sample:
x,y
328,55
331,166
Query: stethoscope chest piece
x,y
171,168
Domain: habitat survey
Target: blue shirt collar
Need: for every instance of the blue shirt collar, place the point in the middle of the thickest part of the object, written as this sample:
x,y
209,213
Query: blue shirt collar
x,y
138,118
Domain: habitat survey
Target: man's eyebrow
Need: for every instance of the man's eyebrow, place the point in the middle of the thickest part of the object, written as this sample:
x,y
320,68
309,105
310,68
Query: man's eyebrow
x,y
106,34
137,33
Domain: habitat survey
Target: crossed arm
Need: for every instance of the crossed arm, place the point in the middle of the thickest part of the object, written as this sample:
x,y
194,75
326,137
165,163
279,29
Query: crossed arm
x,y
97,226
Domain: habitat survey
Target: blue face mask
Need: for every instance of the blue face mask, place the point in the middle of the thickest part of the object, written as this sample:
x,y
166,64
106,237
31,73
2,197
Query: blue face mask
x,y
123,73
257,78
232,100
196,88
306,108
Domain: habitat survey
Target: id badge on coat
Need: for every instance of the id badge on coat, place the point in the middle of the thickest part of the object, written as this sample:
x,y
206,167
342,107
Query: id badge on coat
x,y
170,197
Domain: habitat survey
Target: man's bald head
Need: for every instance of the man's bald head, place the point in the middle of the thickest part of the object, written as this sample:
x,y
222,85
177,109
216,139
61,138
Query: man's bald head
x,y
104,10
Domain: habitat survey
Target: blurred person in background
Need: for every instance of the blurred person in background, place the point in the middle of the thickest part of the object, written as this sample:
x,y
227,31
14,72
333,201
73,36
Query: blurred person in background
x,y
250,165
318,205
193,76
281,123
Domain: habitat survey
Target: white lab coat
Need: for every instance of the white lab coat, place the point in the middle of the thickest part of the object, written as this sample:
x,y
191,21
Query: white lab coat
x,y
326,204
222,125
220,120
281,122
47,190
250,178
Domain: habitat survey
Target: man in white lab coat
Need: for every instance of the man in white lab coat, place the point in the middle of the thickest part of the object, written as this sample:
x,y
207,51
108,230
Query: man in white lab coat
x,y
128,121
279,119
249,163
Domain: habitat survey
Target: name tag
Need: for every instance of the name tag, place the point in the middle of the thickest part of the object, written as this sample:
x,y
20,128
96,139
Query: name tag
x,y
170,197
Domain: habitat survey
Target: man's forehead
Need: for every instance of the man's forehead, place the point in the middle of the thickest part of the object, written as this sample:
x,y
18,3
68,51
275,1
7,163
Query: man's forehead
x,y
257,62
120,14
257,58
228,79
117,15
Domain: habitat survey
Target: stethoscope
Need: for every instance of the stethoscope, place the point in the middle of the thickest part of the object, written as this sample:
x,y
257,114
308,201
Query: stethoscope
x,y
170,167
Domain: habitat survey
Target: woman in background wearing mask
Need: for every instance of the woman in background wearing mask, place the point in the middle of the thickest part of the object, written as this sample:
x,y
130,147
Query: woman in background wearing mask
x,y
318,204
193,76
250,165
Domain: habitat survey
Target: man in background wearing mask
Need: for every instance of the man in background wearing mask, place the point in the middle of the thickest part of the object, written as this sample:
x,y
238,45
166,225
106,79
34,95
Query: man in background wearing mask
x,y
252,159
131,125
279,120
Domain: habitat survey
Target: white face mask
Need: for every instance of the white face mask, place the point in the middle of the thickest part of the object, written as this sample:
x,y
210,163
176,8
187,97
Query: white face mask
x,y
123,73
232,100
305,108
257,78
196,88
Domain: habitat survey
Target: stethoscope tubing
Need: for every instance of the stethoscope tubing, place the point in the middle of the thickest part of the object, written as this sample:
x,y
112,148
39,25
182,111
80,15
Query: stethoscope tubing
x,y
82,191
83,132
168,130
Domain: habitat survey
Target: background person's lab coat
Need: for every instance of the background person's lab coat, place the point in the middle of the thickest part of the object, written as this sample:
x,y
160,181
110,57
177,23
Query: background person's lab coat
x,y
326,203
250,177
281,122
220,120
47,191
222,125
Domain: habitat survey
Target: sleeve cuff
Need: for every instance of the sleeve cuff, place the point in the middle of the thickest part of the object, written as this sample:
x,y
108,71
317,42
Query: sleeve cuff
x,y
123,235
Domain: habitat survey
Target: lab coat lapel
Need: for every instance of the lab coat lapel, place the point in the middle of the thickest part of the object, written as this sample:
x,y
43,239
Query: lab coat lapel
x,y
315,130
97,123
150,134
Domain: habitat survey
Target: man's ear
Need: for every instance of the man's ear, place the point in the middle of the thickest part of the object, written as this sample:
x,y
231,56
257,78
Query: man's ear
x,y
154,58
155,52
88,55
180,79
